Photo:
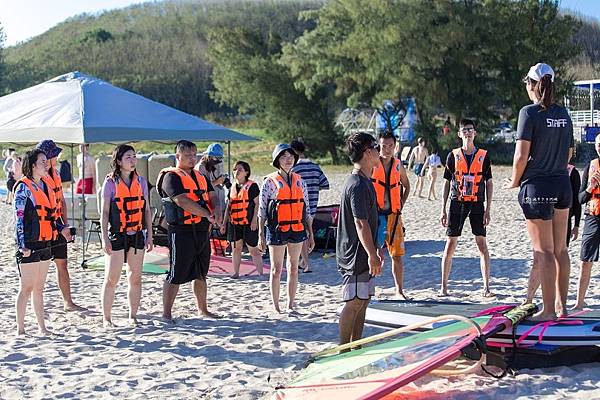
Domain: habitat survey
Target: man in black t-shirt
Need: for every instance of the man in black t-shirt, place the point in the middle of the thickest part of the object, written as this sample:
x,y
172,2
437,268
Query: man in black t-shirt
x,y
356,252
468,181
189,243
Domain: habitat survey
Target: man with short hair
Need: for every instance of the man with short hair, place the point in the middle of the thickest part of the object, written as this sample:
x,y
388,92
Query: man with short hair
x,y
315,180
186,195
357,256
468,181
417,158
392,189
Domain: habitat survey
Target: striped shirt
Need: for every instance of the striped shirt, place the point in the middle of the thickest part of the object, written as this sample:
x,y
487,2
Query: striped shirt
x,y
314,178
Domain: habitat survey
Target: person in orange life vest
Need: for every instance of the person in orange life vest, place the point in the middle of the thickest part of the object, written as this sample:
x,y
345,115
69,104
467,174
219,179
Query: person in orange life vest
x,y
126,225
187,198
572,234
544,145
468,181
590,238
392,188
241,217
37,225
283,207
59,246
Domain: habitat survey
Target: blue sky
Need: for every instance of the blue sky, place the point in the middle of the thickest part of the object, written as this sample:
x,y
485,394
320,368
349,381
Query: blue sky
x,y
23,19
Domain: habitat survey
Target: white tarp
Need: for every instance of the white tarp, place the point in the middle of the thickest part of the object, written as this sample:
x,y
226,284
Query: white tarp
x,y
78,108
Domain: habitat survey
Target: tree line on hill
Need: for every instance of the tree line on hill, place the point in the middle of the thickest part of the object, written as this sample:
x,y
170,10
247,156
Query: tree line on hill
x,y
292,66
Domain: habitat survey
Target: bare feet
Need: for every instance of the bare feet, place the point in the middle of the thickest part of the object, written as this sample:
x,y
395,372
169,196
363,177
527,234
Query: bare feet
x,y
578,307
133,322
74,307
277,309
206,313
443,293
45,332
543,317
235,276
401,296
20,332
167,320
108,324
488,293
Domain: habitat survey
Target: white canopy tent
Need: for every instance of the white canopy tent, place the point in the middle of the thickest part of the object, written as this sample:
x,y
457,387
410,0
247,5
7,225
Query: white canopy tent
x,y
76,108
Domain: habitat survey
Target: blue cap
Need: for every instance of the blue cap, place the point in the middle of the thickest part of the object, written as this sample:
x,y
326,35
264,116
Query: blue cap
x,y
214,150
279,150
49,148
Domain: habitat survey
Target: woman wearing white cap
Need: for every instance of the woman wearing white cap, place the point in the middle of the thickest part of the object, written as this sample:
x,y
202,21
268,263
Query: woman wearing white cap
x,y
544,143
283,207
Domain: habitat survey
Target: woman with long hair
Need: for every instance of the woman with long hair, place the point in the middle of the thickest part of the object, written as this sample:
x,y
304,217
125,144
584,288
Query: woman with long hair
x,y
126,226
544,143
241,217
283,208
37,225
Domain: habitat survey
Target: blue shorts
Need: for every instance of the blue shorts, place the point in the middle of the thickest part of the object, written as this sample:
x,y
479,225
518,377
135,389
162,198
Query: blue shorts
x,y
539,196
277,238
418,169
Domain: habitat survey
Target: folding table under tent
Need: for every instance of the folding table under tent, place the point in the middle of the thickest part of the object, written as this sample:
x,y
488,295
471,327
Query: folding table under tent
x,y
76,108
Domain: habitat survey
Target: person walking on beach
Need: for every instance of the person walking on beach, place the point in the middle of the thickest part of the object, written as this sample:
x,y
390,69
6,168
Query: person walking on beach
x,y
432,163
392,189
59,245
417,159
544,143
283,208
315,181
572,234
187,197
212,167
241,218
87,171
126,225
37,225
468,181
358,260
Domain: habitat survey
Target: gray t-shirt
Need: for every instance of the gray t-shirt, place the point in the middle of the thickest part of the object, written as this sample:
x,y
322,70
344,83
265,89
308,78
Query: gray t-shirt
x,y
358,201
551,135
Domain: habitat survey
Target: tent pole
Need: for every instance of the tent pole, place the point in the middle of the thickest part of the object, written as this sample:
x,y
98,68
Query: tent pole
x,y
83,206
72,186
229,157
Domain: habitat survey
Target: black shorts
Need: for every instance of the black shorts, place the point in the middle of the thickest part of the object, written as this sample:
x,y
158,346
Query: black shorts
x,y
10,183
59,251
243,232
459,211
135,241
539,196
189,256
590,238
40,251
277,238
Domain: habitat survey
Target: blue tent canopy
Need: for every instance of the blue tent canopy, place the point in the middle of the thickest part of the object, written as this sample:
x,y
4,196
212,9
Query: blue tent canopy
x,y
78,108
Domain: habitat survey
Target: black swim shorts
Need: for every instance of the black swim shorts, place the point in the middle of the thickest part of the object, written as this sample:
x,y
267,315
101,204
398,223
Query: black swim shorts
x,y
539,196
458,213
189,256
242,232
590,238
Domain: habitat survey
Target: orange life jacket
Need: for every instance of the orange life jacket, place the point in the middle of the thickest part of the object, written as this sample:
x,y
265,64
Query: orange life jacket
x,y
195,188
593,205
468,179
54,183
395,185
286,211
128,206
44,227
239,203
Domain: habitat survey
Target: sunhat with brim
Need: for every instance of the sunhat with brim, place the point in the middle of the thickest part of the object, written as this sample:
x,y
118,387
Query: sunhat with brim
x,y
538,71
49,148
214,150
279,150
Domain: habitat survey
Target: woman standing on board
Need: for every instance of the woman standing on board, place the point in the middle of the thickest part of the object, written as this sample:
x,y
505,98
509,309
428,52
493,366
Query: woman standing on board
x,y
544,142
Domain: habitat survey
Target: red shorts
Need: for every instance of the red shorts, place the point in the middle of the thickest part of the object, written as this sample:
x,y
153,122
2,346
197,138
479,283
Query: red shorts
x,y
86,186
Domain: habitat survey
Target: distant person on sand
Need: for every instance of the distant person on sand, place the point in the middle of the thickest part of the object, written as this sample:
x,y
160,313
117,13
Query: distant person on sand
x,y
126,224
544,143
211,165
36,226
392,188
468,181
572,234
416,160
590,238
14,172
284,214
87,171
59,245
186,196
358,260
241,218
315,181
432,163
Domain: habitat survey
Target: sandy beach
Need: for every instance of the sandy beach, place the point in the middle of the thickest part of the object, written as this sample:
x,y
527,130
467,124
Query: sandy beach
x,y
251,350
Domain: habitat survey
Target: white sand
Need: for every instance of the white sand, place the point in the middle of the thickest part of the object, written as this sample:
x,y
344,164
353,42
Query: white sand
x,y
234,357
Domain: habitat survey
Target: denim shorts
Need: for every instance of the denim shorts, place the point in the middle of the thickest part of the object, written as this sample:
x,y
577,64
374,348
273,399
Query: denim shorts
x,y
277,238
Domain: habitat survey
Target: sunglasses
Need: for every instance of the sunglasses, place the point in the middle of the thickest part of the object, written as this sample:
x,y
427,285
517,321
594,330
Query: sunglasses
x,y
467,130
